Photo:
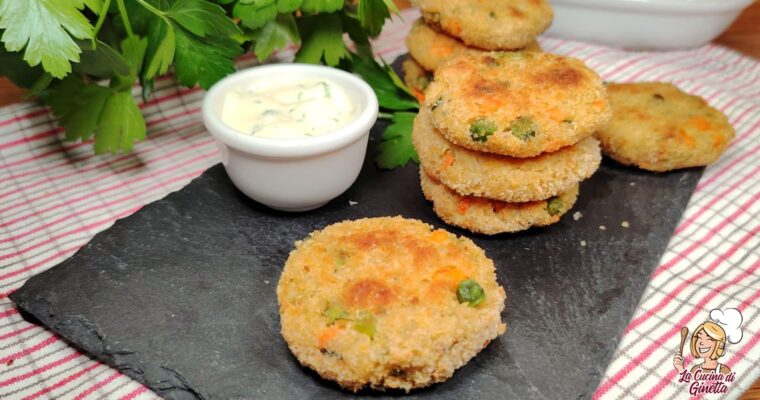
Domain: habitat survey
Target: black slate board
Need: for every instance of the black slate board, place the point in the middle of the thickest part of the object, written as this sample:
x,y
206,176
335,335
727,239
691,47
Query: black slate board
x,y
181,295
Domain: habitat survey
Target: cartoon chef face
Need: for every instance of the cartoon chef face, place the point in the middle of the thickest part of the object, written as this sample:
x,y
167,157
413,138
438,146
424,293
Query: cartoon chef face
x,y
708,341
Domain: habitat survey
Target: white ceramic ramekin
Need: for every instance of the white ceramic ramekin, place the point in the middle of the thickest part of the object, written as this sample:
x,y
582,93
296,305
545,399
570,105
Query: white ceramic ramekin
x,y
293,174
645,24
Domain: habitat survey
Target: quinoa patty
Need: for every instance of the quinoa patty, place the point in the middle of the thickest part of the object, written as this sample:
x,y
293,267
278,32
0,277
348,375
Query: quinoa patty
x,y
388,303
489,24
432,48
657,127
499,177
481,215
415,77
519,104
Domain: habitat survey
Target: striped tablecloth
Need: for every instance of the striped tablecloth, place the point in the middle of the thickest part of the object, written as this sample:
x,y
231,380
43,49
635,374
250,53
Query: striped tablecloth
x,y
55,196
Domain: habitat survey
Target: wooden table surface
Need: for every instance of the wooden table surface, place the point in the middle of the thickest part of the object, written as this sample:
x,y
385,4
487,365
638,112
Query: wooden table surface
x,y
743,35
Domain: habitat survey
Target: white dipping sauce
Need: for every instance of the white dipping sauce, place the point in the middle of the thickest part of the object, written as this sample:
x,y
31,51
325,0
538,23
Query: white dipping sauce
x,y
288,108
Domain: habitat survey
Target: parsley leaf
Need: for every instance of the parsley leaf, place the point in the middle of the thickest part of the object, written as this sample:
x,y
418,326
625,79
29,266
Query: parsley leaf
x,y
288,6
110,112
121,123
321,6
141,17
133,49
203,60
389,90
79,105
274,35
160,52
101,60
202,18
254,15
94,5
323,40
372,14
44,27
87,108
356,33
396,149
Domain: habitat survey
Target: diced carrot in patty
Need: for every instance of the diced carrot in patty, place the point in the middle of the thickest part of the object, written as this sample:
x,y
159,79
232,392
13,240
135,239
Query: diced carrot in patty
x,y
327,335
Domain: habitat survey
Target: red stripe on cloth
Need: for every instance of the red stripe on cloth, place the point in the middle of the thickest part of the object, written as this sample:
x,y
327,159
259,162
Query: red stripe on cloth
x,y
181,92
123,199
627,64
54,238
108,189
56,130
62,149
17,332
668,379
94,208
32,138
704,239
744,113
29,350
109,162
38,264
727,168
749,300
106,174
8,313
19,378
62,382
671,295
30,115
34,157
131,395
97,386
72,249
714,200
90,155
633,77
658,343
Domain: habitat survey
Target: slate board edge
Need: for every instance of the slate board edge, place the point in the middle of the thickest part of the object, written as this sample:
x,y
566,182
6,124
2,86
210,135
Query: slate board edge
x,y
164,381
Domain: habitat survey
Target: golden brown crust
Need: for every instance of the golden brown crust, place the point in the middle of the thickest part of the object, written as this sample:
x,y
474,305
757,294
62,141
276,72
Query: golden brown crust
x,y
518,104
499,177
490,217
431,48
404,275
657,127
489,24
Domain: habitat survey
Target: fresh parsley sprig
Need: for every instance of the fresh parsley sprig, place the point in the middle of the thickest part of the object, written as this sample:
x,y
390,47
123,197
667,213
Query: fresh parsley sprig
x,y
399,106
84,57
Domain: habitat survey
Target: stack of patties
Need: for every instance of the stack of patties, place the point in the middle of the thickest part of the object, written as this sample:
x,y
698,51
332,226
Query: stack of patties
x,y
454,28
504,138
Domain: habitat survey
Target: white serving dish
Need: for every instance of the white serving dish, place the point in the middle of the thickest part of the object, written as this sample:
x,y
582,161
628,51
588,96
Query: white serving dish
x,y
645,24
293,174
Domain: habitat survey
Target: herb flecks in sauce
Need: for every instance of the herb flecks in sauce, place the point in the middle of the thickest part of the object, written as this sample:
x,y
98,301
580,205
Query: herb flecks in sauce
x,y
283,110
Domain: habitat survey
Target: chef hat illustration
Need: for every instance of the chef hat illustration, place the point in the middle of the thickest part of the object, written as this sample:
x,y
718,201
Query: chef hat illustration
x,y
730,319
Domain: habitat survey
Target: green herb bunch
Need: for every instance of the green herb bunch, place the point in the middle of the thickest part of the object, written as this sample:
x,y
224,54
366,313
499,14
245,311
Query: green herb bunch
x,y
84,57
